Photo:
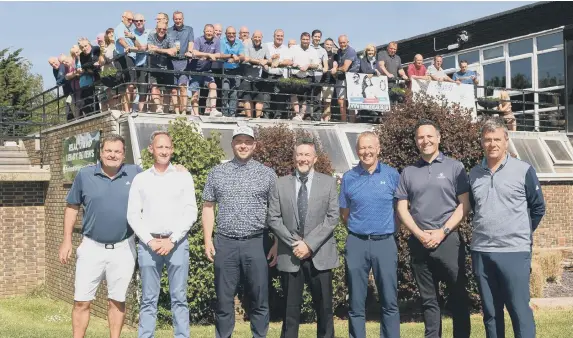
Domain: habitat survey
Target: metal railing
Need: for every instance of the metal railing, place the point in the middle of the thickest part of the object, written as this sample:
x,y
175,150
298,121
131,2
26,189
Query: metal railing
x,y
53,107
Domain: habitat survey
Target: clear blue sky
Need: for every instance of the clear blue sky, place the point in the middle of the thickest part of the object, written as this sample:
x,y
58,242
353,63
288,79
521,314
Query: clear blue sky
x,y
45,29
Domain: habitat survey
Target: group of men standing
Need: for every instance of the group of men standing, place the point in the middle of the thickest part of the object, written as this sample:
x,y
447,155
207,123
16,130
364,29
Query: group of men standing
x,y
431,198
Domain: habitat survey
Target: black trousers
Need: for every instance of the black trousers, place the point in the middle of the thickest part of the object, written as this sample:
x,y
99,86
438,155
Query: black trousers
x,y
445,263
320,284
235,258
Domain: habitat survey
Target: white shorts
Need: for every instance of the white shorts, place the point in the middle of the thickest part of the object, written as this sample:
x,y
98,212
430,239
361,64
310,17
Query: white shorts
x,y
94,262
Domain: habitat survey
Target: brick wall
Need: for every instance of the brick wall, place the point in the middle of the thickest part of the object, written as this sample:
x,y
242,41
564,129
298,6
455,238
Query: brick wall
x,y
60,278
556,228
22,237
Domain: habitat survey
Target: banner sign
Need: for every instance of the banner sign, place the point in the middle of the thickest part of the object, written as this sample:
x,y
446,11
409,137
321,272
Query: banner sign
x,y
463,94
367,93
79,151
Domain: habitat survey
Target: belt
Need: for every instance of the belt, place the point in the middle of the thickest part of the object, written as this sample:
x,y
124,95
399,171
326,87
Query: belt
x,y
371,237
160,236
242,238
108,245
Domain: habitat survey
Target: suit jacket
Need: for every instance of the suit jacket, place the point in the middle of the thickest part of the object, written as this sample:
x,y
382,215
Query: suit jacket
x,y
321,219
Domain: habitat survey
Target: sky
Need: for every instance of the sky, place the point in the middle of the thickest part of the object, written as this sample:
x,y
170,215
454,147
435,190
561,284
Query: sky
x,y
44,29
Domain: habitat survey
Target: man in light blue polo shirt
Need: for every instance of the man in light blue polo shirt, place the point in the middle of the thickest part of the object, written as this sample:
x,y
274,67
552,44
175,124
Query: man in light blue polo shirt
x,y
108,245
367,208
464,75
231,49
126,45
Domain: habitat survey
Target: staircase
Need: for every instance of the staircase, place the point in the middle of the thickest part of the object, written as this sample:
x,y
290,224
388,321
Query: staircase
x,y
15,164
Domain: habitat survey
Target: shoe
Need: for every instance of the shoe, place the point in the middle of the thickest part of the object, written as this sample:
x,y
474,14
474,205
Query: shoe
x,y
159,111
297,118
215,113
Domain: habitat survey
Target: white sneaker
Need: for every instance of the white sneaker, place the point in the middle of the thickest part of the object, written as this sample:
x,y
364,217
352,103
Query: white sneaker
x,y
159,110
297,118
215,113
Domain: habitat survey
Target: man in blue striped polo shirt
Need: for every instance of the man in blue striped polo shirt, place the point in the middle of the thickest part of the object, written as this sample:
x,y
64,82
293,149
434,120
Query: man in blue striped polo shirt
x,y
508,206
367,208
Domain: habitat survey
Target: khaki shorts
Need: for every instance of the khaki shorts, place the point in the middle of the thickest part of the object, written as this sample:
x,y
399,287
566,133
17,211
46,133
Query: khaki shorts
x,y
326,93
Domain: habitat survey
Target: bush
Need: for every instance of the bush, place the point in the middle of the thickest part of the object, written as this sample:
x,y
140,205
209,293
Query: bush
x,y
459,140
275,146
198,155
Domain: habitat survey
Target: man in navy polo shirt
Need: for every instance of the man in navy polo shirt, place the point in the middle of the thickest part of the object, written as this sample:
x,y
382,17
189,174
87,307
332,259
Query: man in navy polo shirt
x,y
433,199
108,245
367,208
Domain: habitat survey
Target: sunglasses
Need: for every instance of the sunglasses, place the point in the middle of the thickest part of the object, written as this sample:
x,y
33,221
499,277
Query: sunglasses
x,y
161,29
138,20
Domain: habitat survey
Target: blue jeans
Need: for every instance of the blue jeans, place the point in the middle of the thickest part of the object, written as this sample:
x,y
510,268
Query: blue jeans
x,y
230,87
503,279
151,267
382,256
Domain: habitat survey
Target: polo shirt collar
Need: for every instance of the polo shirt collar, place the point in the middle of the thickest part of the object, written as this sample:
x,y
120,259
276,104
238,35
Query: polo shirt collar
x,y
439,158
170,168
98,171
204,40
484,162
179,30
363,171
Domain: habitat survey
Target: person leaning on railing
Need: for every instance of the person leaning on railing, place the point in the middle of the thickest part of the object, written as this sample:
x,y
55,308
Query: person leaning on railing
x,y
505,108
160,45
105,61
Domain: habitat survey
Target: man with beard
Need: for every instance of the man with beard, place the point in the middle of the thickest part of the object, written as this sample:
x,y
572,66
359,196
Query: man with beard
x,y
367,208
433,199
303,212
241,188
161,211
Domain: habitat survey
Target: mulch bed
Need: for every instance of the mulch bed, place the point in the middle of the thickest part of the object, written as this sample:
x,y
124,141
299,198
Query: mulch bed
x,y
562,289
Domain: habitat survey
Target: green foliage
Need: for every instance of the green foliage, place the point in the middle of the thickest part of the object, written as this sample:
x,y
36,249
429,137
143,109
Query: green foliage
x,y
199,155
17,83
459,140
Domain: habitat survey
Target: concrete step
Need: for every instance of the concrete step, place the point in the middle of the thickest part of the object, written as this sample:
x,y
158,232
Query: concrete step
x,y
12,153
15,167
14,160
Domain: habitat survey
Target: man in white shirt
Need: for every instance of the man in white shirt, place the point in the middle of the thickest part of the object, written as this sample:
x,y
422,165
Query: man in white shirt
x,y
161,210
436,72
274,70
304,61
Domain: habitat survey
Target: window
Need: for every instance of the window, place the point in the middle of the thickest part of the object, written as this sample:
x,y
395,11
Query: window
x,y
520,47
494,75
520,74
550,41
144,131
449,62
531,151
470,57
352,139
493,53
332,146
549,101
558,151
226,138
550,69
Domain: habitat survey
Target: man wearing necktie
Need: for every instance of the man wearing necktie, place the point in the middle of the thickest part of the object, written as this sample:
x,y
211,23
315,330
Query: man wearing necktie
x,y
303,212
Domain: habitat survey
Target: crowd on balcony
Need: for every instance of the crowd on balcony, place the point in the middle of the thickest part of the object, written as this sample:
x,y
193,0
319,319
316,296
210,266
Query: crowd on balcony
x,y
163,69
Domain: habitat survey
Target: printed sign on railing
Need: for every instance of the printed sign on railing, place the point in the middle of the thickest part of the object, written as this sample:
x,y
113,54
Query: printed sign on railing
x,y
459,93
79,151
367,93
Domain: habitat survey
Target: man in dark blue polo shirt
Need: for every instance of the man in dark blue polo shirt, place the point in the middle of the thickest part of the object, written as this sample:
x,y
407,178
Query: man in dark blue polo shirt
x,y
367,207
108,245
433,198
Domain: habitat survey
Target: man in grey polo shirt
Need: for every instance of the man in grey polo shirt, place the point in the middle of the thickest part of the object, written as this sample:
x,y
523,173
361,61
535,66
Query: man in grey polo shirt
x,y
251,88
390,63
433,199
508,206
108,246
241,188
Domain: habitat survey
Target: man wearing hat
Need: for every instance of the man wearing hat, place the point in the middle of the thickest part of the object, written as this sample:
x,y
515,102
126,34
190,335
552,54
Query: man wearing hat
x,y
241,188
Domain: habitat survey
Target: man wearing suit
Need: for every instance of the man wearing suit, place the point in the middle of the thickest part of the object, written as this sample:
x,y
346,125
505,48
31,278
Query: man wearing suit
x,y
303,212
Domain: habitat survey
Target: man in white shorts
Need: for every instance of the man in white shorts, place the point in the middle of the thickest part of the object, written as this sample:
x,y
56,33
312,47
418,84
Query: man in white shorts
x,y
108,246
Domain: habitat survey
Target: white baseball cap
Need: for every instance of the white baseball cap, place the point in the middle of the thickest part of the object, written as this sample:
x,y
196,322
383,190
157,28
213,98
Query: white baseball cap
x,y
244,130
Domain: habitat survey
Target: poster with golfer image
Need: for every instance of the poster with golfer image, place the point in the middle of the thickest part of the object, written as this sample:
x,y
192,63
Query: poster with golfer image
x,y
367,92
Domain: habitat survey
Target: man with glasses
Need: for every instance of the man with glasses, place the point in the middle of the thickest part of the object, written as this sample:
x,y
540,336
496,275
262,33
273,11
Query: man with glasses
x,y
126,45
231,50
141,36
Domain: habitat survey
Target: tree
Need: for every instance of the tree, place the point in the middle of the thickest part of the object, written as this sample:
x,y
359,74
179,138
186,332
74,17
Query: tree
x,y
17,83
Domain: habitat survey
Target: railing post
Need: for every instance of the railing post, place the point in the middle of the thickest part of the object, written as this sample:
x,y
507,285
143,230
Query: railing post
x,y
535,112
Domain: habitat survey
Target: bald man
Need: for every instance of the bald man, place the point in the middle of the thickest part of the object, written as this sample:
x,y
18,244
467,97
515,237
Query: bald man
x,y
348,61
244,34
417,70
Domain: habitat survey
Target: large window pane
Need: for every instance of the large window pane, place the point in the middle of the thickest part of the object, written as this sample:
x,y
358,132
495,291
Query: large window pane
x,y
550,41
352,139
530,150
521,47
558,149
470,57
549,101
550,69
449,62
493,53
521,74
494,75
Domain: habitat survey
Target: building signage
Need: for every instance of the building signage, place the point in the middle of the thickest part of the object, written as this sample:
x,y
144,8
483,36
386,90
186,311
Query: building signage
x,y
463,94
367,92
79,151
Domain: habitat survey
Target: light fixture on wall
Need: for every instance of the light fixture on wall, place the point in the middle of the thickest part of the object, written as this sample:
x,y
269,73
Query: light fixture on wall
x,y
461,38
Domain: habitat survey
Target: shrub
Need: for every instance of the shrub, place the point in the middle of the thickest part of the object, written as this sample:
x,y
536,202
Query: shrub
x,y
275,147
459,139
198,155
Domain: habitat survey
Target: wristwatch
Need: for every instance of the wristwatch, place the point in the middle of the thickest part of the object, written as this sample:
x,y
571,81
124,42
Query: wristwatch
x,y
173,240
446,230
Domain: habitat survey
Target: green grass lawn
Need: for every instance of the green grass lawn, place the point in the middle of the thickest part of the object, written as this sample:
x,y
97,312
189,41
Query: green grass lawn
x,y
30,317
